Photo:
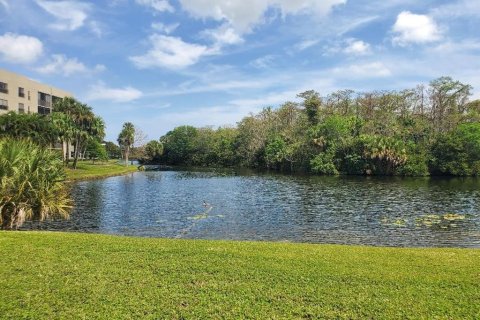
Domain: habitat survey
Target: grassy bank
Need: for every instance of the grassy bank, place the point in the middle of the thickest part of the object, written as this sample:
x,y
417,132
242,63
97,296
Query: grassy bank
x,y
60,275
88,170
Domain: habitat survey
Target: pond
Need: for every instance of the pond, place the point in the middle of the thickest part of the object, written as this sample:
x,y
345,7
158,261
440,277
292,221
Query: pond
x,y
383,211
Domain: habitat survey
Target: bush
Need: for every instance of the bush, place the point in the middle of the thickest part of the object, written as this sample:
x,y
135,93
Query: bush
x,y
31,184
323,164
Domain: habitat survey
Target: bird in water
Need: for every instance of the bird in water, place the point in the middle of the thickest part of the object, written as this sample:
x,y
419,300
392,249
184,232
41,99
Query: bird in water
x,y
206,204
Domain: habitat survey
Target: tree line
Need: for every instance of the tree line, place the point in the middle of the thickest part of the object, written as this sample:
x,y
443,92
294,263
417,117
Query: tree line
x,y
426,130
72,125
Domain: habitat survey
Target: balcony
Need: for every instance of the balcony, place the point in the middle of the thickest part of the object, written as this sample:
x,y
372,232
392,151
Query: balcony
x,y
22,95
44,103
4,90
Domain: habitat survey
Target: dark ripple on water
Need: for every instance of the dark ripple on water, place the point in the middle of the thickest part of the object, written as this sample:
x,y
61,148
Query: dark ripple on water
x,y
345,210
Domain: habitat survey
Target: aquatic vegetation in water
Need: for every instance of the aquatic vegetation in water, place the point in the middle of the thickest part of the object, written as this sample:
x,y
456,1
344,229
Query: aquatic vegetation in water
x,y
400,223
444,221
453,216
396,222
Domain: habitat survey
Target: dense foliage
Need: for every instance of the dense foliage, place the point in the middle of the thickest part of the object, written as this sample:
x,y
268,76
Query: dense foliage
x,y
31,183
415,132
72,124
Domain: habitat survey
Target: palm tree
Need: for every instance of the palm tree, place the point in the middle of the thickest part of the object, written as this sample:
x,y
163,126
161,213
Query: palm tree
x,y
126,138
31,183
65,128
83,118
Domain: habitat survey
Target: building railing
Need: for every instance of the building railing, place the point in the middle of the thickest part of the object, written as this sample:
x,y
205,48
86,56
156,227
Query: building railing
x,y
44,103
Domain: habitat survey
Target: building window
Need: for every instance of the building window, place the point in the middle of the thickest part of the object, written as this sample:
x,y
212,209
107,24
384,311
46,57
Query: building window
x,y
21,108
43,110
21,92
3,104
3,87
28,95
44,99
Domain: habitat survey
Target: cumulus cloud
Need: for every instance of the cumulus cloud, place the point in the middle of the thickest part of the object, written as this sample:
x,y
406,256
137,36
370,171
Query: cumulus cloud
x,y
158,5
415,28
101,92
70,15
243,15
172,53
357,47
224,35
16,48
60,64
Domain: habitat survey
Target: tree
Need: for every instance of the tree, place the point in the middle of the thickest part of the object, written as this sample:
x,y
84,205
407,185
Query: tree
x,y
96,151
31,183
448,99
179,145
36,127
153,152
126,139
458,152
113,151
86,124
311,103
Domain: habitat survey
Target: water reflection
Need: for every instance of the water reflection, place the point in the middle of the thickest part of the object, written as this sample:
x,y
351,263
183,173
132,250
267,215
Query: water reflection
x,y
261,206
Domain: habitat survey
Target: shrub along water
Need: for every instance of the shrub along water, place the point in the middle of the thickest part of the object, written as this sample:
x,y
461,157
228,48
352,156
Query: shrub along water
x,y
31,183
414,132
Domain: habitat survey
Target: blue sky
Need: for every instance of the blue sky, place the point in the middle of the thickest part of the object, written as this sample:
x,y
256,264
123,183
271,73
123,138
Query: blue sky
x,y
164,63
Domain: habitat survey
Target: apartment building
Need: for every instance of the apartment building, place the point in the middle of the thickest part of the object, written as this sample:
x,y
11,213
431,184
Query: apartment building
x,y
23,95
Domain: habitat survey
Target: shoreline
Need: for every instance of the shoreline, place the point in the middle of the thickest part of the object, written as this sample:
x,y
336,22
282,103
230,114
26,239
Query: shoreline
x,y
99,170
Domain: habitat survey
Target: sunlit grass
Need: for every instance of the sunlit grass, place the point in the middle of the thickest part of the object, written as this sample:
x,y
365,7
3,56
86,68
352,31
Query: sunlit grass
x,y
75,276
89,170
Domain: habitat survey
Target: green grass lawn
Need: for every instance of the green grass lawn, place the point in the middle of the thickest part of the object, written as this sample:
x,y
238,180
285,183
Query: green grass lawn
x,y
84,276
89,170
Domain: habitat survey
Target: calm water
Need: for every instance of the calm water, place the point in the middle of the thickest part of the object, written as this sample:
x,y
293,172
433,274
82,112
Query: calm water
x,y
347,210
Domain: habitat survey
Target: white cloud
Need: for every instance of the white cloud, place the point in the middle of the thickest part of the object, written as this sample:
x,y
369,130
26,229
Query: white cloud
x,y
365,70
305,44
172,53
16,48
243,15
101,92
263,62
223,35
350,47
158,5
60,64
456,9
415,28
357,47
165,28
70,15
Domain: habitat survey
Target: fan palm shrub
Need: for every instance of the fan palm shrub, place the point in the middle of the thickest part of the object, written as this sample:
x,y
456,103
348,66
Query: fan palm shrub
x,y
32,184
